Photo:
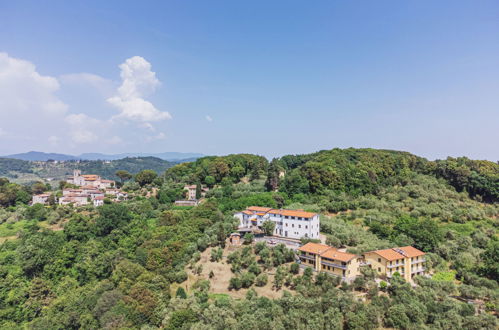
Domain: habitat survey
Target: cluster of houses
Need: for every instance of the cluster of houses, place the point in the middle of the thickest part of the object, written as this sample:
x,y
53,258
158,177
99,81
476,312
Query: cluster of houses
x,y
191,199
91,189
406,261
89,180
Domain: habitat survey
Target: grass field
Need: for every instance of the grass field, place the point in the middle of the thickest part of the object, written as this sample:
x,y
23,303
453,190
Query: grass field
x,y
11,229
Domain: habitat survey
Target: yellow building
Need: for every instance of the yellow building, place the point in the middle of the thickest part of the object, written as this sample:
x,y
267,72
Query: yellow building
x,y
407,261
326,258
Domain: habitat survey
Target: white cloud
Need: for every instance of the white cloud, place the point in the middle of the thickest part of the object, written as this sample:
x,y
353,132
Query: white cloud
x,y
34,117
82,128
148,126
208,118
159,136
24,91
138,81
103,85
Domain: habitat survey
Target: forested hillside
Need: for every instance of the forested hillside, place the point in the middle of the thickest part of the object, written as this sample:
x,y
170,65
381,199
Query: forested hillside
x,y
361,171
117,266
213,169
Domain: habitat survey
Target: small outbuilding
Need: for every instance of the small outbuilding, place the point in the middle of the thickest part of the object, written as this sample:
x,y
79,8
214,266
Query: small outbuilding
x,y
235,239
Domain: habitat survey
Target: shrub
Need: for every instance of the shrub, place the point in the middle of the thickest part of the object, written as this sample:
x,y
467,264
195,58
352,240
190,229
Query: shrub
x,y
248,238
259,247
180,276
181,293
216,254
247,279
235,283
261,280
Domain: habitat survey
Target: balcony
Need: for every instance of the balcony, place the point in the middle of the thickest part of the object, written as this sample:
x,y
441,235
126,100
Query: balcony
x,y
307,257
395,265
417,261
326,263
417,270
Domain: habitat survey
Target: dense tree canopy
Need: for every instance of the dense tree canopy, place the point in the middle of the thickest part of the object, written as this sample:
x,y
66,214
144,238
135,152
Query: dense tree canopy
x,y
213,169
130,265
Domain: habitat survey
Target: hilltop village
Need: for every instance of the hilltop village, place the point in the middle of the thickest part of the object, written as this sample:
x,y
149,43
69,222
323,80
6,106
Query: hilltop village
x,y
84,189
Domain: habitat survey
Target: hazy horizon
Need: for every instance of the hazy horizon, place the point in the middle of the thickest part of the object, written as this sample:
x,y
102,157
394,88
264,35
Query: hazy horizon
x,y
269,157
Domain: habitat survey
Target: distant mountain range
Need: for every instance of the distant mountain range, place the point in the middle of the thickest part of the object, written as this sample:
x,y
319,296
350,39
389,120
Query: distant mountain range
x,y
43,156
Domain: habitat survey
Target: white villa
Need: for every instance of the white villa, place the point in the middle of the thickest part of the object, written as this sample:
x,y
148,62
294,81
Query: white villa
x,y
289,223
92,180
72,197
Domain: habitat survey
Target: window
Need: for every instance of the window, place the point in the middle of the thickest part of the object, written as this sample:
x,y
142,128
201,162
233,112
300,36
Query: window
x,y
293,225
379,259
299,226
306,227
379,269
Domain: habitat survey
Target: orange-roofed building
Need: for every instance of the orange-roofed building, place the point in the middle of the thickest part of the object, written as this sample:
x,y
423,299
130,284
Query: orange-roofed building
x,y
90,180
314,248
346,265
407,261
325,258
293,224
310,254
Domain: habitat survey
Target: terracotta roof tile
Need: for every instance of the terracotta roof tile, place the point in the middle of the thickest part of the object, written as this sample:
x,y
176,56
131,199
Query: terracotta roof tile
x,y
258,209
337,255
314,248
411,251
389,254
293,213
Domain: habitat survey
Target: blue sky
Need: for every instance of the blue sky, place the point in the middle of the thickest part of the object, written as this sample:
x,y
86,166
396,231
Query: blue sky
x,y
265,77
